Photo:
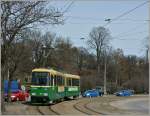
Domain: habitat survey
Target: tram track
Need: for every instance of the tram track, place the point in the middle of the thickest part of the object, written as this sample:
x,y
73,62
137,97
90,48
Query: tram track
x,y
82,107
39,110
79,109
92,109
46,110
56,113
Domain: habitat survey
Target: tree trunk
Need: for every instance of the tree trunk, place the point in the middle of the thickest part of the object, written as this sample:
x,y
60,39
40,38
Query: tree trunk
x,y
2,90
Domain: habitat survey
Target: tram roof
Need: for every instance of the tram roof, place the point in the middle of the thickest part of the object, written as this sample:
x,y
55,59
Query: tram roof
x,y
72,76
52,71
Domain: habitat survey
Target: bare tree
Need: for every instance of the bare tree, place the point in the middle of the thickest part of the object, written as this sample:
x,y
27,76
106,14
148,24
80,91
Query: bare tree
x,y
99,39
81,57
17,16
20,15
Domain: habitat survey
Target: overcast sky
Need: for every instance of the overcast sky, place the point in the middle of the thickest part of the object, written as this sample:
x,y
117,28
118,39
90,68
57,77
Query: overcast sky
x,y
128,32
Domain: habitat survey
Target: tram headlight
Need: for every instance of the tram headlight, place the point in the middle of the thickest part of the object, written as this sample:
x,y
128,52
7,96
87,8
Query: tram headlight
x,y
45,94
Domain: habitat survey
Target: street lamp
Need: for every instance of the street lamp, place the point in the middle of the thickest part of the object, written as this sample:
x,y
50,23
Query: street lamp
x,y
108,20
82,38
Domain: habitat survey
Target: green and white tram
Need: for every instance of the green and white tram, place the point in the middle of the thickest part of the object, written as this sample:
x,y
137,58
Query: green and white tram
x,y
48,85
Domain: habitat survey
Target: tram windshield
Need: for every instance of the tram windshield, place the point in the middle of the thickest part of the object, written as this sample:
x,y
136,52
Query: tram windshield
x,y
39,78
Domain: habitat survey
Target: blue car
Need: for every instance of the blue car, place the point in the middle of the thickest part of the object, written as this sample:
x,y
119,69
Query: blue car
x,y
124,93
91,93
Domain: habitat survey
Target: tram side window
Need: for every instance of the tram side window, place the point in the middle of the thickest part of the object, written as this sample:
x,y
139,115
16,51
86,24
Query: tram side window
x,y
52,77
59,80
63,81
55,80
69,82
75,82
49,79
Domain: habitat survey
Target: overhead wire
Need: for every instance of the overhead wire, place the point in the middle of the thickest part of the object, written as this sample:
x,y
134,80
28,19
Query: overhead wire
x,y
68,7
101,19
129,34
116,18
125,13
64,6
133,29
112,23
128,39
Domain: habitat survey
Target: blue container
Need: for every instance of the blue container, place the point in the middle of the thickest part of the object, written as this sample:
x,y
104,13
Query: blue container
x,y
14,87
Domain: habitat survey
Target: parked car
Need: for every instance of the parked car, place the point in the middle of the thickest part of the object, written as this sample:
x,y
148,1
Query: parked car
x,y
124,93
19,96
91,93
100,90
16,93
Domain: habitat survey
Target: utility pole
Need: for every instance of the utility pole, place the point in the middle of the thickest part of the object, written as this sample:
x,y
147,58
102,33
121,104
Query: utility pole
x,y
108,20
44,53
44,47
147,55
105,71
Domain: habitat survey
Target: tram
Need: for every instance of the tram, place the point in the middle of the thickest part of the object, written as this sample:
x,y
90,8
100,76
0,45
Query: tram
x,y
48,85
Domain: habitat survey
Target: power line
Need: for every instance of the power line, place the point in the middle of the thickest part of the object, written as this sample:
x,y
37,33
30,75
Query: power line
x,y
135,28
132,39
98,23
125,13
69,6
64,6
131,34
128,39
101,19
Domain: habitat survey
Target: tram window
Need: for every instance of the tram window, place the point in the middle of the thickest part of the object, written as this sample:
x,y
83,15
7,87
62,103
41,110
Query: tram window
x,y
69,82
75,82
52,77
59,80
42,81
39,78
39,74
49,79
55,80
62,81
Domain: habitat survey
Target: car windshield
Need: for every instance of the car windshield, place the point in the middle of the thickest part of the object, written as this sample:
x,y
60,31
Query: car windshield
x,y
89,91
39,78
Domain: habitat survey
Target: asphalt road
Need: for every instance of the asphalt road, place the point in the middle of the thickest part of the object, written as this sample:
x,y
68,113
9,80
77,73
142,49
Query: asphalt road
x,y
139,104
110,105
